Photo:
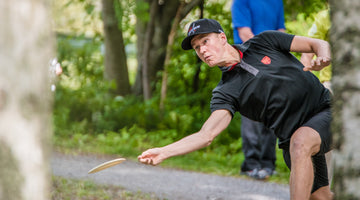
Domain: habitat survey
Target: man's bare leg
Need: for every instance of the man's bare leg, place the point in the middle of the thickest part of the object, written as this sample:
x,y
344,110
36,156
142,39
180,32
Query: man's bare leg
x,y
304,143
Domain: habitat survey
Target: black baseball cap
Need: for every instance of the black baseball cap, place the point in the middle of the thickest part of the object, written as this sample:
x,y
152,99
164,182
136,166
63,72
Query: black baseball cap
x,y
200,26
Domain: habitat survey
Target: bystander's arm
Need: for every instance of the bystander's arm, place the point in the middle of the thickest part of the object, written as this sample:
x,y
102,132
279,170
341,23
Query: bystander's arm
x,y
245,33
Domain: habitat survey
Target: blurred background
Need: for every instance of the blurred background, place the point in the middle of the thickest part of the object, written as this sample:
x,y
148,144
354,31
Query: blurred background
x,y
127,85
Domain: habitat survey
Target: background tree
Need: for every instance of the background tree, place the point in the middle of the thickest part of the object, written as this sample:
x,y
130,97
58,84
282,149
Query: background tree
x,y
116,68
25,51
152,32
345,42
180,14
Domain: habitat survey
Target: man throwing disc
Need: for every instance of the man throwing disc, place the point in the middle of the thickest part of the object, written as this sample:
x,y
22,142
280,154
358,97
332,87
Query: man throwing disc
x,y
263,81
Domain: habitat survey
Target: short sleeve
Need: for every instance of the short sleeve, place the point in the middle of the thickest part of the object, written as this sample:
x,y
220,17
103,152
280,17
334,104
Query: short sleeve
x,y
221,101
275,39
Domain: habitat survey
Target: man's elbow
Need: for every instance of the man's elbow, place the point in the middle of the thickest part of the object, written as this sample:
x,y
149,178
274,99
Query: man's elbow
x,y
209,141
245,33
207,138
246,36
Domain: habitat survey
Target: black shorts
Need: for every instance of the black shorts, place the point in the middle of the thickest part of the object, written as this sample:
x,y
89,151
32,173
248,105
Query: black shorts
x,y
321,123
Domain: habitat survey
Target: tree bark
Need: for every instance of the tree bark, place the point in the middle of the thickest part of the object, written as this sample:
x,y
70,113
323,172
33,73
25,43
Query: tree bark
x,y
115,57
199,61
181,13
26,48
171,39
160,23
152,50
344,37
152,43
146,52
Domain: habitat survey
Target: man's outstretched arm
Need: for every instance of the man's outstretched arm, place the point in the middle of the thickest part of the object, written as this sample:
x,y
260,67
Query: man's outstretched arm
x,y
213,126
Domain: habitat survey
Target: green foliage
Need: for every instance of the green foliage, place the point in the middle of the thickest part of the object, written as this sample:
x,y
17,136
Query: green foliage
x,y
77,96
119,12
141,10
124,11
89,8
300,26
77,16
84,105
304,7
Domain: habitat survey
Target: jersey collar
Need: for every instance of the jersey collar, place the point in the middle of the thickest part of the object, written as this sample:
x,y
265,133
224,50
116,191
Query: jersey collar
x,y
229,68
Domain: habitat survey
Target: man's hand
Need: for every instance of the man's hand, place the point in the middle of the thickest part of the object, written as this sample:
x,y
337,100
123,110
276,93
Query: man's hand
x,y
318,64
151,157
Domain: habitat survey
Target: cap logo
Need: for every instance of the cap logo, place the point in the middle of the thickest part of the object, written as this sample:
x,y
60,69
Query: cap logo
x,y
193,29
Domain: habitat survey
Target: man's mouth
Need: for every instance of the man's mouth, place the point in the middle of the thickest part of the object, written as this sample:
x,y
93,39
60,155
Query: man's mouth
x,y
207,58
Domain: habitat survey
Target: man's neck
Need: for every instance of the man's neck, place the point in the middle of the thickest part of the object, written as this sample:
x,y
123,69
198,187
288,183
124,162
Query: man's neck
x,y
232,56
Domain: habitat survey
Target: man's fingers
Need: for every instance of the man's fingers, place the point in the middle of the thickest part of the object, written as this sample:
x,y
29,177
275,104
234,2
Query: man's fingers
x,y
318,64
145,160
321,62
307,68
150,157
314,63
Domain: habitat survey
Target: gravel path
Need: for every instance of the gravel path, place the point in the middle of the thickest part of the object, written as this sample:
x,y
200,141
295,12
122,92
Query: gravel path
x,y
166,183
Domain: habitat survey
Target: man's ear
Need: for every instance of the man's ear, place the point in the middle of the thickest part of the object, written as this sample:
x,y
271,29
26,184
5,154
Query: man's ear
x,y
223,38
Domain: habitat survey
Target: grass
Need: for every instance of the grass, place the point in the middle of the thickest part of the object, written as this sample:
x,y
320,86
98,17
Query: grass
x,y
70,189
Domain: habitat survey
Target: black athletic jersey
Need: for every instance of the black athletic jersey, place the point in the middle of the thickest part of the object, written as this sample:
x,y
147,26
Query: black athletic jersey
x,y
270,86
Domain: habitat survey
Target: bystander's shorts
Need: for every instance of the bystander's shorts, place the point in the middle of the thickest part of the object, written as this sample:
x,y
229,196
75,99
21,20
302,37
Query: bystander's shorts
x,y
321,123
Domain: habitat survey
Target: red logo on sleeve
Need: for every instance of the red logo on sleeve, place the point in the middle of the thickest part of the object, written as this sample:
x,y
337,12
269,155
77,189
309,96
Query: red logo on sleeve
x,y
266,60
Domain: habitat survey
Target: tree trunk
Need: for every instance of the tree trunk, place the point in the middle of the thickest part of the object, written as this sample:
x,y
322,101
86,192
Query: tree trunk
x,y
181,13
152,50
146,70
196,81
140,29
345,40
26,48
115,57
152,42
171,39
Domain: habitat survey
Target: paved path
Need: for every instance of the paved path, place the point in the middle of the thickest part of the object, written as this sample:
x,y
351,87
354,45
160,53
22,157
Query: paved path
x,y
167,183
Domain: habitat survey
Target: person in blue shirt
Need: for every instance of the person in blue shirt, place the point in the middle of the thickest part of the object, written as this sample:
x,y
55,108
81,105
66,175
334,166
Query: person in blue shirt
x,y
250,18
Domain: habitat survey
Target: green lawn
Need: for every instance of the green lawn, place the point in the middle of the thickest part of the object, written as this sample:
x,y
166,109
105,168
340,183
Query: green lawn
x,y
69,189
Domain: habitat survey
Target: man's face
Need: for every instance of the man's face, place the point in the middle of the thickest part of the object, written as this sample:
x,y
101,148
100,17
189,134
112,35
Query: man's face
x,y
209,47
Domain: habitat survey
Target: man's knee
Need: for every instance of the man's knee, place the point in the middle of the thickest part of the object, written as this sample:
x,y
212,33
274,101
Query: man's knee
x,y
305,142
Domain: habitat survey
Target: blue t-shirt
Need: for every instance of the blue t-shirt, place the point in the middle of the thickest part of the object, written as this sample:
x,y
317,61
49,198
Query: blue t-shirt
x,y
259,15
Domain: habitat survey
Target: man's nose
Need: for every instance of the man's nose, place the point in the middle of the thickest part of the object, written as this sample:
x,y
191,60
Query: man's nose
x,y
202,49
